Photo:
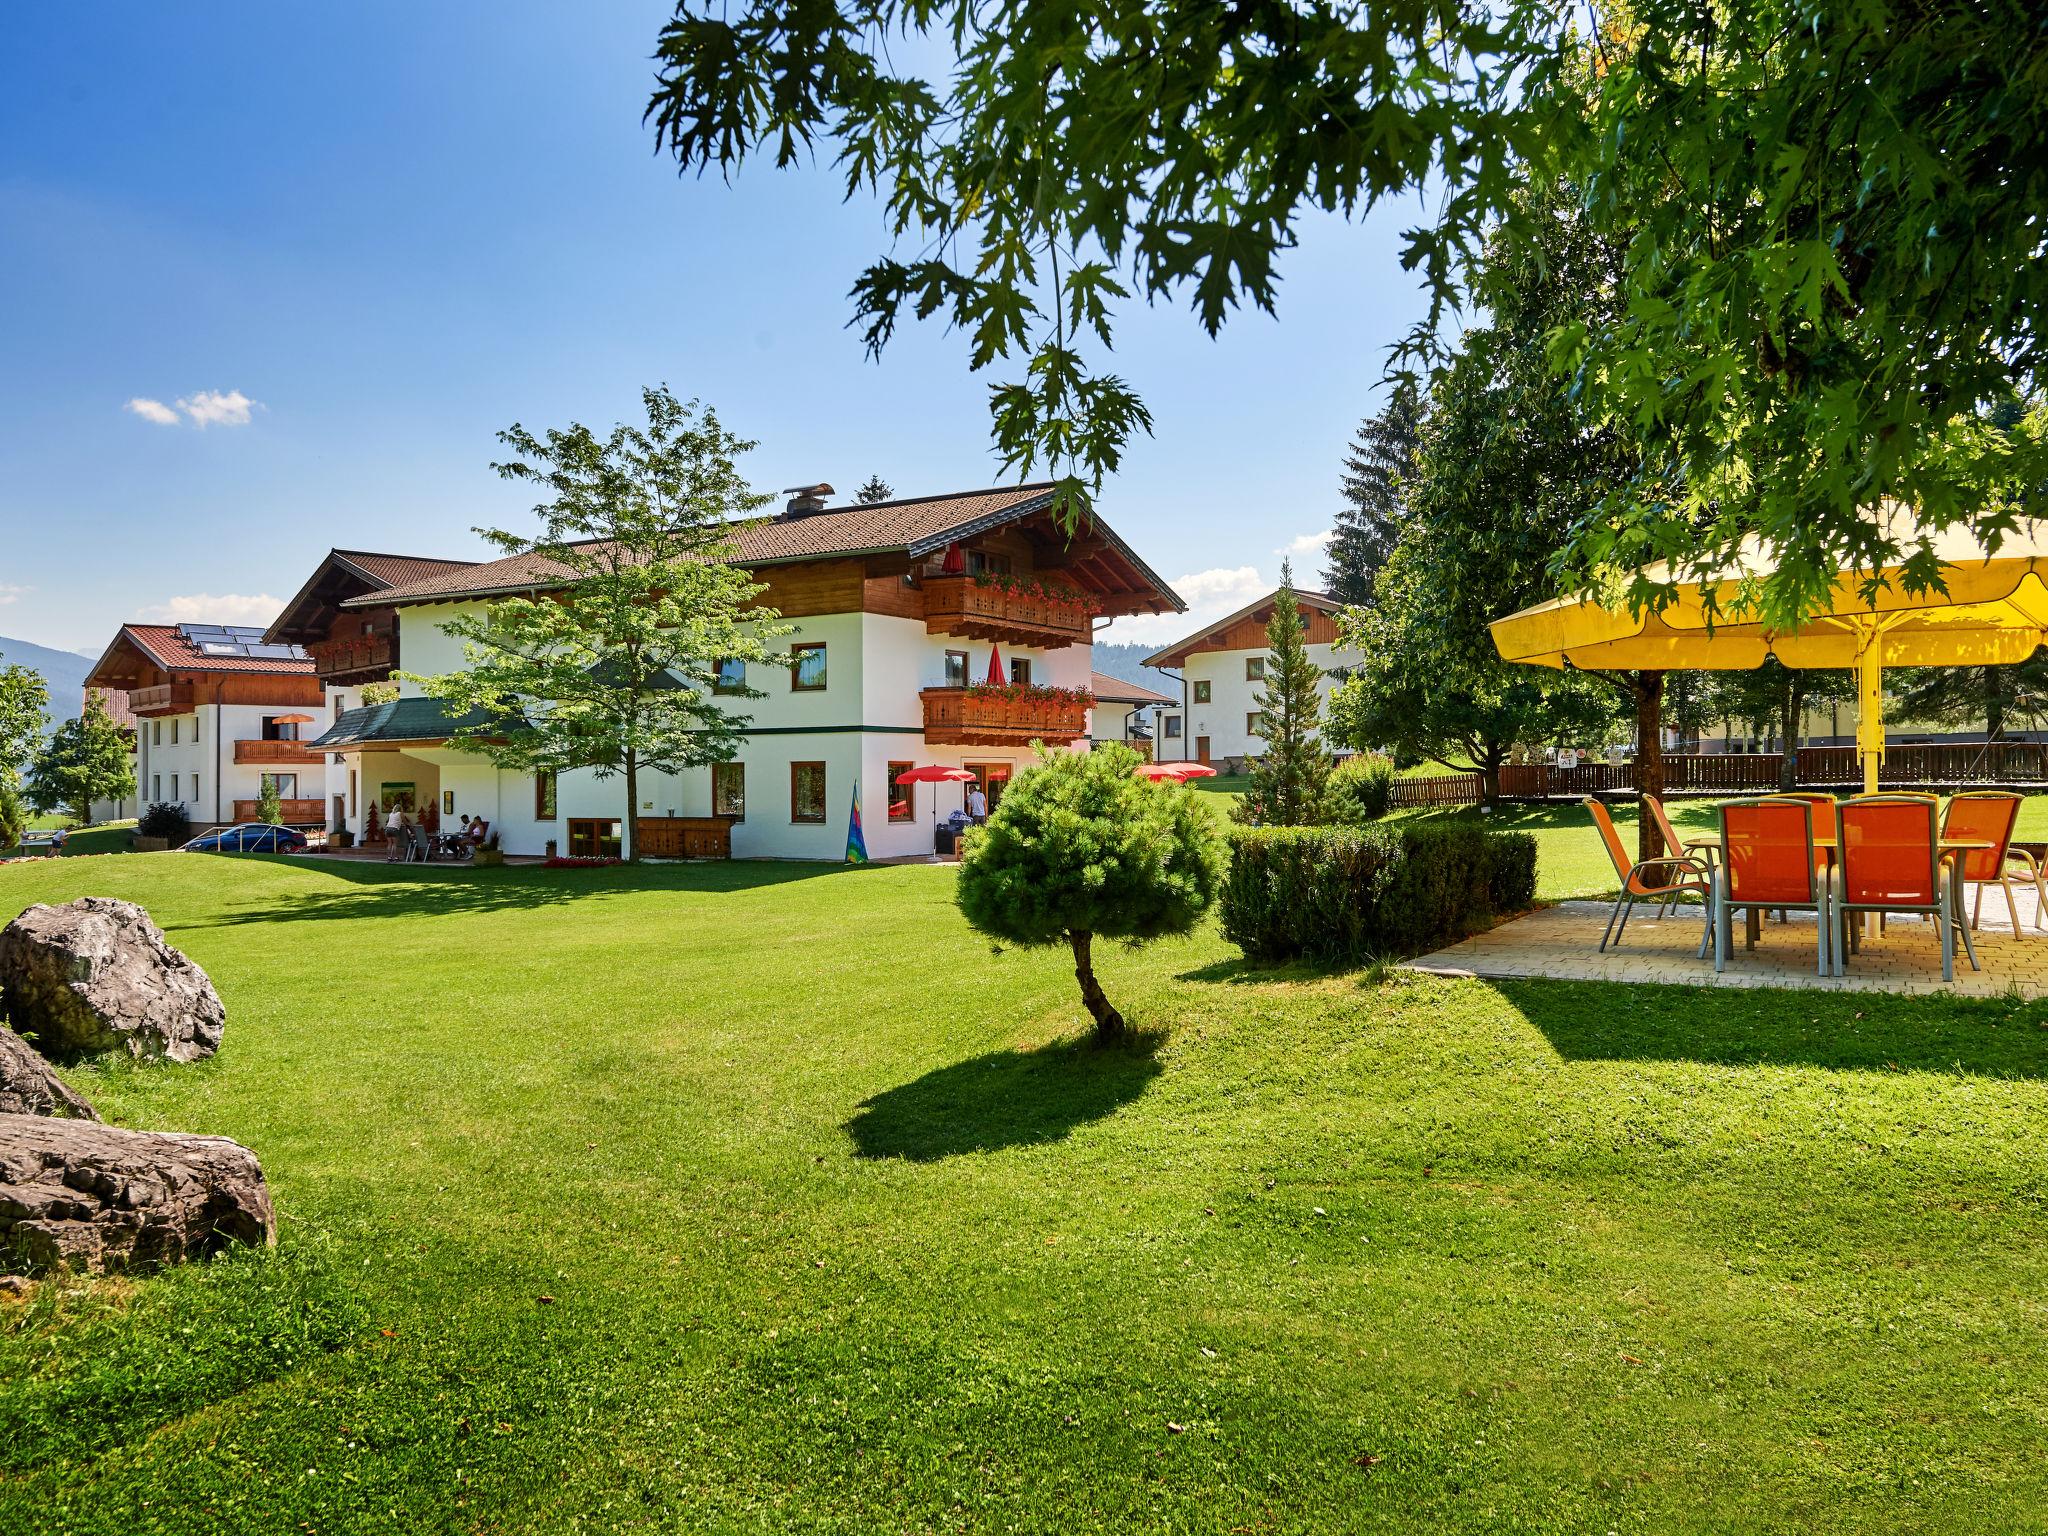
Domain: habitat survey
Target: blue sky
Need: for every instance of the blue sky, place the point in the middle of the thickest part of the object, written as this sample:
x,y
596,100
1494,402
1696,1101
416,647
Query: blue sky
x,y
354,241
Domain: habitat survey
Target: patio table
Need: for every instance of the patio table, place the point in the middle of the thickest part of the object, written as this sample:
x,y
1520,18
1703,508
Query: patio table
x,y
1948,848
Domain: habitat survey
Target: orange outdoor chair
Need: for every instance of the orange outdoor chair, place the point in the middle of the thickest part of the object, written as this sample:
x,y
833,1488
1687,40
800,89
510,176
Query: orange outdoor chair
x,y
1769,863
1891,862
1705,851
1986,816
1655,880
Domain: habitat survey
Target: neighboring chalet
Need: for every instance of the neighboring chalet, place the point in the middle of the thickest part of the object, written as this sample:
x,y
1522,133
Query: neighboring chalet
x,y
898,607
1222,672
211,704
1121,711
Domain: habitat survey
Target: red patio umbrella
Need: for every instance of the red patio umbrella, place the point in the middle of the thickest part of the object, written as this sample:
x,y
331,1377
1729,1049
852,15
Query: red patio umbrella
x,y
1194,770
995,665
1157,771
934,773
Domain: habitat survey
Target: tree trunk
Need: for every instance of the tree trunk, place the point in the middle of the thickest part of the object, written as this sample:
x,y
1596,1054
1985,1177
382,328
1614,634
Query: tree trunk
x,y
1489,773
1994,703
632,848
1793,708
1649,691
1109,1024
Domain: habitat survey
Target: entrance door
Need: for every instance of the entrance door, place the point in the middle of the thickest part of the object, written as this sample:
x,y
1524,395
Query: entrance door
x,y
1201,749
994,778
340,813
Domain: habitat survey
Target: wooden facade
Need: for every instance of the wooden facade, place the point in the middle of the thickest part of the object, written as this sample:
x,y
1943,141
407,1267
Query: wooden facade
x,y
963,717
360,648
288,754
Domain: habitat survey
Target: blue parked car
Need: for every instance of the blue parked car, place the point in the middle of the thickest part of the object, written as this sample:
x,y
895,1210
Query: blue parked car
x,y
249,837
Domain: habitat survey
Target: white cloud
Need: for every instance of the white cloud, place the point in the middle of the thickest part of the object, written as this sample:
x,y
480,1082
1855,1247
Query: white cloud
x,y
1209,595
9,593
211,408
1306,544
152,410
208,408
204,608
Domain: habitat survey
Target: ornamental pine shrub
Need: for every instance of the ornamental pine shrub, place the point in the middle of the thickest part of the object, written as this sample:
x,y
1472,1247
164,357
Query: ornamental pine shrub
x,y
1080,849
1349,896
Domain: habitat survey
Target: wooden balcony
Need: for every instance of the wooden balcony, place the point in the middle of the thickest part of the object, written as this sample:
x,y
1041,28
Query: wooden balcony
x,y
958,605
296,754
161,699
292,813
959,717
356,659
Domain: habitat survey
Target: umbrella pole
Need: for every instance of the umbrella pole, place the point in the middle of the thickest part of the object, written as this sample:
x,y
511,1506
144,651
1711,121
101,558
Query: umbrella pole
x,y
1870,709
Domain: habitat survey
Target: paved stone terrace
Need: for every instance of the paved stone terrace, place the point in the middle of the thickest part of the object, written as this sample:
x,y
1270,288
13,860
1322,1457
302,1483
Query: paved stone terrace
x,y
1563,941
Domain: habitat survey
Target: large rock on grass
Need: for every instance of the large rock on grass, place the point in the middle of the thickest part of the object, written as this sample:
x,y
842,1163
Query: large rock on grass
x,y
75,1195
95,975
29,1087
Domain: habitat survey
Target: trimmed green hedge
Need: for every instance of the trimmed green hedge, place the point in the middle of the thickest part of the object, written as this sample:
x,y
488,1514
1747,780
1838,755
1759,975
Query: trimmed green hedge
x,y
1341,895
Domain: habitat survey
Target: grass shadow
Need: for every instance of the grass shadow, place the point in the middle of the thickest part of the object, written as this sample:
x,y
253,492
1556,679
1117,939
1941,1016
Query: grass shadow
x,y
1852,1032
415,890
1004,1099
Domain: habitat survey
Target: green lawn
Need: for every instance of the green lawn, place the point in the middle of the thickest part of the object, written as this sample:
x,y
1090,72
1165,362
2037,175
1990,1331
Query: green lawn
x,y
107,837
758,1198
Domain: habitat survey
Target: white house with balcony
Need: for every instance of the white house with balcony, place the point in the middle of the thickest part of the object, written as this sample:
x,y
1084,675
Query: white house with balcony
x,y
1220,672
218,709
943,630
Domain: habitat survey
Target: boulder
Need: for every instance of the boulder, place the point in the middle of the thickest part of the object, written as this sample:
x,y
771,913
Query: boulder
x,y
76,1195
29,1087
96,975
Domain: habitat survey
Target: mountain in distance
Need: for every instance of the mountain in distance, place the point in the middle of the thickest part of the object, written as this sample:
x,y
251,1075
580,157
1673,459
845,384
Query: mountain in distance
x,y
64,671
1124,660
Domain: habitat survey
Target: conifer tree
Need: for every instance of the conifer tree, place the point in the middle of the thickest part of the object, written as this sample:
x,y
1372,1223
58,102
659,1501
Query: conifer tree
x,y
1380,458
1288,780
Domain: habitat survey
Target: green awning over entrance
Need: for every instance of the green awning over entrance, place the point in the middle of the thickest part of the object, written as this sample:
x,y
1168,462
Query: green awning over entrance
x,y
417,720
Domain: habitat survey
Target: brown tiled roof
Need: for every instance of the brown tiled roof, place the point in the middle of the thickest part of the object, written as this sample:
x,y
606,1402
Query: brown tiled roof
x,y
393,570
116,702
174,653
916,526
1114,690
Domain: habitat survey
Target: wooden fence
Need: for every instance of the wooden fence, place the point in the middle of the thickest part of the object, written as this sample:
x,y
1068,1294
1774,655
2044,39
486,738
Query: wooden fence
x,y
1929,765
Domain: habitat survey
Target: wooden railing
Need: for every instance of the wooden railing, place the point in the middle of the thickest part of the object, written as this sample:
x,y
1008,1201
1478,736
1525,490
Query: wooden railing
x,y
292,813
958,605
1438,789
160,699
960,717
299,754
686,837
1918,765
353,656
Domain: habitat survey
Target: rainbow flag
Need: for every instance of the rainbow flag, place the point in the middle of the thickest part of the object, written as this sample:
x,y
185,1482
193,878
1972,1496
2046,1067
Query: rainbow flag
x,y
856,844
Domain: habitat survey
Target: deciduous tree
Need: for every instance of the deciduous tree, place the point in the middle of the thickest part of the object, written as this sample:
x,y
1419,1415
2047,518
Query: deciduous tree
x,y
85,759
613,661
24,698
1079,849
1829,216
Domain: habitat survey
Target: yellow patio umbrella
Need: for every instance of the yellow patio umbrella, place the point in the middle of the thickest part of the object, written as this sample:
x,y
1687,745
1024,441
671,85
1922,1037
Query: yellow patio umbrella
x,y
1993,613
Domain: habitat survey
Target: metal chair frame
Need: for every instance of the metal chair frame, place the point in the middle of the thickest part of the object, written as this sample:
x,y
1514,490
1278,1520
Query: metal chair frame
x,y
1941,878
1726,903
1634,874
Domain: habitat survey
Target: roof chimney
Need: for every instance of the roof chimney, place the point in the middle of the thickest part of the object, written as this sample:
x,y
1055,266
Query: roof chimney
x,y
806,499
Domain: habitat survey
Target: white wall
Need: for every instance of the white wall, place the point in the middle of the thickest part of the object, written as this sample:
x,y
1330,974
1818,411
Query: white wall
x,y
1231,698
174,751
867,715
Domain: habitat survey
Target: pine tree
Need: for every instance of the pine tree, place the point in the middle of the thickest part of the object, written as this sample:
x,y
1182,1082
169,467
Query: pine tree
x,y
1287,783
877,489
1379,459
